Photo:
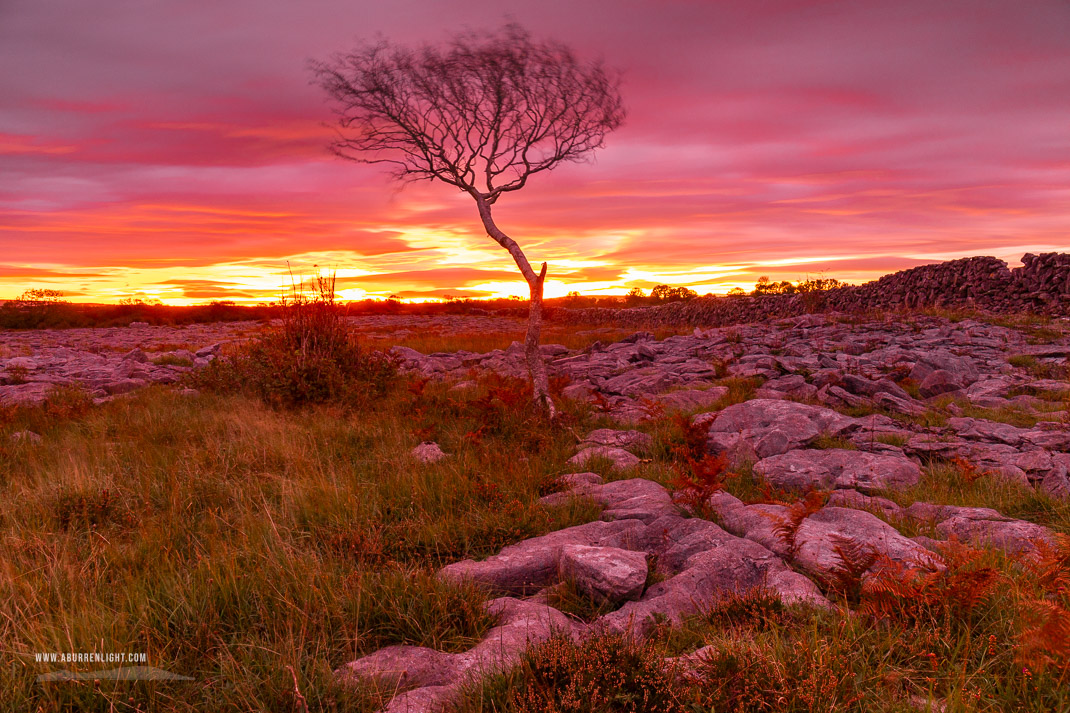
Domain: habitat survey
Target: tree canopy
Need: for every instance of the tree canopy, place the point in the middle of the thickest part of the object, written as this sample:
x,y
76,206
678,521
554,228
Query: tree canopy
x,y
482,113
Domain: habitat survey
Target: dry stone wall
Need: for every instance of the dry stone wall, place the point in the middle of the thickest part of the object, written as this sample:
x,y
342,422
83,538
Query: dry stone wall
x,y
1041,286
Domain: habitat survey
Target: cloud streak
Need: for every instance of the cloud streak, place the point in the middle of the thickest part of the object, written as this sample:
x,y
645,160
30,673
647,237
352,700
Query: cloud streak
x,y
158,149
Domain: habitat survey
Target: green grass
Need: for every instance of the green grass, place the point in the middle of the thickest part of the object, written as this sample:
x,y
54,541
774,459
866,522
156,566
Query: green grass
x,y
767,657
227,540
1040,369
827,442
172,360
955,483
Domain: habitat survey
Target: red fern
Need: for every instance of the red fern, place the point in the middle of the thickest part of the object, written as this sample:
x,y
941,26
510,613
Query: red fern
x,y
953,582
1044,641
700,480
854,560
693,438
786,528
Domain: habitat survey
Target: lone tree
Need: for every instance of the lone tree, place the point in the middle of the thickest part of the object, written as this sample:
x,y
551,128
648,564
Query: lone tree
x,y
483,114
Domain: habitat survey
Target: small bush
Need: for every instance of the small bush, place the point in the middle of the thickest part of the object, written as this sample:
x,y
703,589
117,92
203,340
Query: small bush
x,y
601,675
312,357
91,510
67,401
568,598
171,360
17,374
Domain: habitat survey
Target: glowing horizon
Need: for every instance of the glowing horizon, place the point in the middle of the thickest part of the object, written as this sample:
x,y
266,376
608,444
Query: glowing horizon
x,y
164,153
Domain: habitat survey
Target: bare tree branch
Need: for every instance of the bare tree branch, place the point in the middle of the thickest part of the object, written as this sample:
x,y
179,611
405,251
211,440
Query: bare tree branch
x,y
483,114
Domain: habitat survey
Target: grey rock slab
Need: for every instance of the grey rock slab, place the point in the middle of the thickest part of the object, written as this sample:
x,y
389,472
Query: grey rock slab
x,y
928,445
858,501
402,667
943,360
817,535
641,382
124,386
605,573
528,566
635,441
430,699
983,430
772,426
1057,484
24,394
578,480
838,468
522,625
436,678
428,452
940,382
620,458
735,567
989,388
1056,438
687,399
633,499
674,539
899,404
793,385
1013,536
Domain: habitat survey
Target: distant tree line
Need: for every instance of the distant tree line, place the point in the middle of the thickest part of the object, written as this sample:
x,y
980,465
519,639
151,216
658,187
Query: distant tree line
x,y
46,309
765,286
41,308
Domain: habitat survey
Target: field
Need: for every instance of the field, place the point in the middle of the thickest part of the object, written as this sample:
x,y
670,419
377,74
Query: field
x,y
252,550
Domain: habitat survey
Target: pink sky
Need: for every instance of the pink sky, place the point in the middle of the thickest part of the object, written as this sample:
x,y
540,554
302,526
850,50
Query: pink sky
x,y
175,149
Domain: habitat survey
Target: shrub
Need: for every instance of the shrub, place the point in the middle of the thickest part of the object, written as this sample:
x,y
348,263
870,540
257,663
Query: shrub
x,y
91,510
603,674
311,357
172,360
951,586
67,401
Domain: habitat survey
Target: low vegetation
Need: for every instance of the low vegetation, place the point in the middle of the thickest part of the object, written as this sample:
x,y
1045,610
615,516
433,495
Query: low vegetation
x,y
277,522
310,357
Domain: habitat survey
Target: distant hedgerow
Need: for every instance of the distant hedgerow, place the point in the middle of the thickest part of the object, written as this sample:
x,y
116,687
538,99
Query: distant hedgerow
x,y
311,357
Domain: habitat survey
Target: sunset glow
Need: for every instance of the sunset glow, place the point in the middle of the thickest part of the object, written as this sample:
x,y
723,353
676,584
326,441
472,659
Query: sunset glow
x,y
176,151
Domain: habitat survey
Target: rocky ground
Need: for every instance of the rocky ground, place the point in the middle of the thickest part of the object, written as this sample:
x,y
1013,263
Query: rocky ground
x,y
118,360
851,408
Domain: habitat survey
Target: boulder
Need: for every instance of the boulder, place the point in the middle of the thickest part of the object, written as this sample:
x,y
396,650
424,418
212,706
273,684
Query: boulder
x,y
769,427
635,499
736,566
687,399
635,441
528,566
1057,484
607,574
620,458
432,680
402,668
837,468
428,452
940,382
819,534
1013,536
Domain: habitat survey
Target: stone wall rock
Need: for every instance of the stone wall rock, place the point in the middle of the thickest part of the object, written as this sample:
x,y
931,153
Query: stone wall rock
x,y
1041,286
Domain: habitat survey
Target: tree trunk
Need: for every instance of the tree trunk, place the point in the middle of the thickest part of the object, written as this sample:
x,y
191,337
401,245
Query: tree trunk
x,y
540,383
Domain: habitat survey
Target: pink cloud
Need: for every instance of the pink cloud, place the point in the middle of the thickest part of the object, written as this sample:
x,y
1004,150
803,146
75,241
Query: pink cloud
x,y
877,133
